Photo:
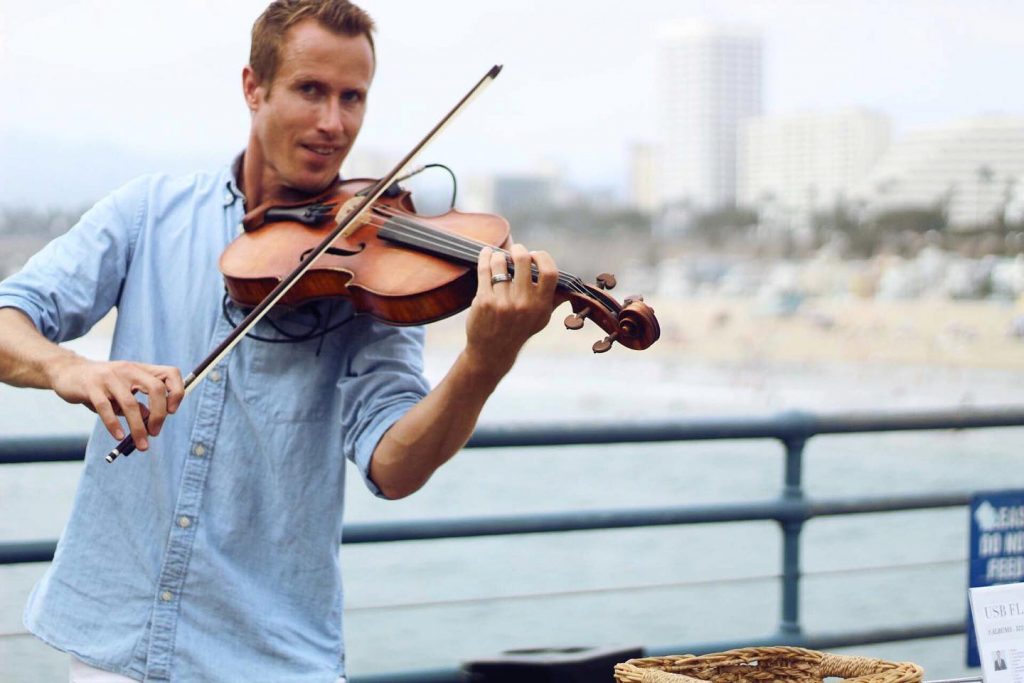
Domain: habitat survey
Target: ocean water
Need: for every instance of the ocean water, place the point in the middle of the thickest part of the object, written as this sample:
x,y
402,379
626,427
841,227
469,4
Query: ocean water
x,y
432,604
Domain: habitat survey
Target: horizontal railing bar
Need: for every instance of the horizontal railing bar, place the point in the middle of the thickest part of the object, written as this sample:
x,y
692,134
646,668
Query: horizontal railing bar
x,y
952,418
42,449
424,676
27,551
552,522
851,506
781,426
780,510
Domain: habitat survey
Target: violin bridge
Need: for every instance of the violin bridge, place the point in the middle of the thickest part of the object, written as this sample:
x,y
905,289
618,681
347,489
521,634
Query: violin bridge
x,y
347,208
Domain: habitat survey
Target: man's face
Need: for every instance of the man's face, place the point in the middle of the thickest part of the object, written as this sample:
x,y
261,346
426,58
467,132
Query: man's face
x,y
305,122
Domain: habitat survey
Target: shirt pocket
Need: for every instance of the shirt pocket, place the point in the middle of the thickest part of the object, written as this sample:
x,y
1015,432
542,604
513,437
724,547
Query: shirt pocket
x,y
293,381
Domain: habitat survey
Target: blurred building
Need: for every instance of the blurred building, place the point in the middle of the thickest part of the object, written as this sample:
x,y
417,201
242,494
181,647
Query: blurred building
x,y
808,161
971,168
709,79
643,177
524,193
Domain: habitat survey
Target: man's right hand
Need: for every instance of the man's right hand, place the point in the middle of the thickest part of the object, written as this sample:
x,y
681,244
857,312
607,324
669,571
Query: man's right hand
x,y
108,389
28,359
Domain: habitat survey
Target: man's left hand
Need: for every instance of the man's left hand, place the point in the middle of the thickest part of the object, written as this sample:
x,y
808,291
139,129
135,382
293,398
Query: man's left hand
x,y
508,308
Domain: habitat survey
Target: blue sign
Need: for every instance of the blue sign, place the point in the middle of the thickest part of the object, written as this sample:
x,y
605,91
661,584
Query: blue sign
x,y
997,548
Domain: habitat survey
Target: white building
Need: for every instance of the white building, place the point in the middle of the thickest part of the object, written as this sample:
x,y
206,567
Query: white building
x,y
973,168
643,177
806,162
709,79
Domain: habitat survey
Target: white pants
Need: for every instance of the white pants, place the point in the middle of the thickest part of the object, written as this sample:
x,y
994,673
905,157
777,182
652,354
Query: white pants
x,y
83,673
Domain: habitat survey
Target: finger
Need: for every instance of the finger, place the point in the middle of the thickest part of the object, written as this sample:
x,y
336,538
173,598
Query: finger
x,y
483,274
522,281
156,392
547,279
174,386
175,389
108,417
130,409
499,266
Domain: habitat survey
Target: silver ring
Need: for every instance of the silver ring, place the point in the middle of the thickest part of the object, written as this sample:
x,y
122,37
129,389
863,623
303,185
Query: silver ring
x,y
500,277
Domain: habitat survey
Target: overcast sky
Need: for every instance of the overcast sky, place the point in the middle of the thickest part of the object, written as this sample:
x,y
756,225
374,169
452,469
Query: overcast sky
x,y
163,78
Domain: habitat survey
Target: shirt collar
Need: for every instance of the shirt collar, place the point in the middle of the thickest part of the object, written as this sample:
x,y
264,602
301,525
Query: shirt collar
x,y
233,190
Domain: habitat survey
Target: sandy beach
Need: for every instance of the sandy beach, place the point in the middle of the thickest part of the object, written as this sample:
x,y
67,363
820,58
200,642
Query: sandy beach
x,y
925,332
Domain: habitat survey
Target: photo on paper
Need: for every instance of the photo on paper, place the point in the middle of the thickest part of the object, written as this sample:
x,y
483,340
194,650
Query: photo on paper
x,y
998,613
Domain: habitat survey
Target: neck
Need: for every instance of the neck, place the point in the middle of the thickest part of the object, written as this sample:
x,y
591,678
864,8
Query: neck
x,y
251,178
260,185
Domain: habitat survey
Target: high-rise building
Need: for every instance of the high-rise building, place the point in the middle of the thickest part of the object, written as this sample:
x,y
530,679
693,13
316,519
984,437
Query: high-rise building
x,y
972,169
643,176
803,162
709,81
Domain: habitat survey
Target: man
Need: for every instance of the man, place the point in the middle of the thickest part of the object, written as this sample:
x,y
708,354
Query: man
x,y
213,555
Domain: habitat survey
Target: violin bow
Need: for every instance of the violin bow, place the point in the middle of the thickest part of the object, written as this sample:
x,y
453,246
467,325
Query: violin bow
x,y
346,223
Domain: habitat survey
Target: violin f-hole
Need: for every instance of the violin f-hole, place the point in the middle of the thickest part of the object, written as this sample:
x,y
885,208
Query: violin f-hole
x,y
334,251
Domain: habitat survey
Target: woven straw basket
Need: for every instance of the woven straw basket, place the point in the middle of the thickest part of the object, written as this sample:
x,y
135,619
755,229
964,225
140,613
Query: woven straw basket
x,y
766,665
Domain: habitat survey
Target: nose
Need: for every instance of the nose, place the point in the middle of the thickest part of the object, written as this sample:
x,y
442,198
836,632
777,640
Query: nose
x,y
331,121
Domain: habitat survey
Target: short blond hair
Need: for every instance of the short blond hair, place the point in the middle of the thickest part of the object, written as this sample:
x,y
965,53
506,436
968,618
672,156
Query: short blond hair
x,y
339,16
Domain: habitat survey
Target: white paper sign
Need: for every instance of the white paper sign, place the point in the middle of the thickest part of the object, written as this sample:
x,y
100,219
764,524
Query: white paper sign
x,y
998,613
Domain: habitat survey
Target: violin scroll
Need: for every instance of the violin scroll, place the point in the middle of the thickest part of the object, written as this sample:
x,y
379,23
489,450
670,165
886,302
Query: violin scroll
x,y
633,324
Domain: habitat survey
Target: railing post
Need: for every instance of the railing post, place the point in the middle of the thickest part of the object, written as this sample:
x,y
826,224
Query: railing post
x,y
793,491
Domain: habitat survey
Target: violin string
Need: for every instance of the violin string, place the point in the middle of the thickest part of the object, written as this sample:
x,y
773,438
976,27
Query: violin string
x,y
459,247
466,246
469,250
463,247
456,246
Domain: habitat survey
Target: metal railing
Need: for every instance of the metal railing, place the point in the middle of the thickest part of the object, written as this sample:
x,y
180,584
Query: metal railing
x,y
791,509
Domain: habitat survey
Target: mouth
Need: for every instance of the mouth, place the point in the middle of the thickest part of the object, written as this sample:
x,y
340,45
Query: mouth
x,y
325,151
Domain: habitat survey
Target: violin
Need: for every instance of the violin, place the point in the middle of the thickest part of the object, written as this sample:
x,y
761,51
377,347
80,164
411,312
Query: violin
x,y
364,240
401,268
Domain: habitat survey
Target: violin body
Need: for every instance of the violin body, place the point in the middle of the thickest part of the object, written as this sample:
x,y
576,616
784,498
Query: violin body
x,y
390,283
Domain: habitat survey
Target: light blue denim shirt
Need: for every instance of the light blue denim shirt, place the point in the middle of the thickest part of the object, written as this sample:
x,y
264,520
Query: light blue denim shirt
x,y
213,556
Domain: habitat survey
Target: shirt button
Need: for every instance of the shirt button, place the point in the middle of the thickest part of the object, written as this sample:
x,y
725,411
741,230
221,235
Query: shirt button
x,y
167,596
184,522
215,375
199,450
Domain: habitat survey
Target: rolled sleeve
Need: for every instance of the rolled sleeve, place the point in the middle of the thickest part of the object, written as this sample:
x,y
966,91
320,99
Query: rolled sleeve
x,y
384,380
76,279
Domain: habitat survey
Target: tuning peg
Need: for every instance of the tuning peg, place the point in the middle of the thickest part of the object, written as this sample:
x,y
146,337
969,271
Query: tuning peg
x,y
606,281
575,321
632,298
604,344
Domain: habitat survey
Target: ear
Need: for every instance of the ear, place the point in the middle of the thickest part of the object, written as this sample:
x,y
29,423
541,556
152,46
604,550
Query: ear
x,y
251,89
